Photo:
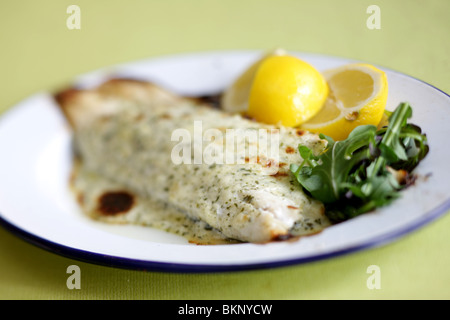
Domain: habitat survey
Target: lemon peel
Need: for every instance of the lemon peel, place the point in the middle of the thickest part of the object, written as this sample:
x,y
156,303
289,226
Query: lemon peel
x,y
287,91
235,98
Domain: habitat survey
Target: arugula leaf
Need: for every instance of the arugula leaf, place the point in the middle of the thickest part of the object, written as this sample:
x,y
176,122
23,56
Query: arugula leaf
x,y
324,179
356,175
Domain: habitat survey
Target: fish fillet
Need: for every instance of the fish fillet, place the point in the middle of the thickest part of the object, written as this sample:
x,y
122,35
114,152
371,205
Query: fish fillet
x,y
124,132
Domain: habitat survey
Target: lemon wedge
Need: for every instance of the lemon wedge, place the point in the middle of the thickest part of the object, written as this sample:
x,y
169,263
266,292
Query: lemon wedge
x,y
358,94
286,90
235,97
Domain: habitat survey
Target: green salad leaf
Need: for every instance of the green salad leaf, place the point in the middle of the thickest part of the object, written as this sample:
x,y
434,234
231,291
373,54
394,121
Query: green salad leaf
x,y
365,171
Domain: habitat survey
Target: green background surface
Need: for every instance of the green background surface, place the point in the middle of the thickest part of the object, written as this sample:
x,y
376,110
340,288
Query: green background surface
x,y
38,52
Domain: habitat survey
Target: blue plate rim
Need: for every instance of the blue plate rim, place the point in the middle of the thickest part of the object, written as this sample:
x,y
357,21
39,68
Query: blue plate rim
x,y
147,265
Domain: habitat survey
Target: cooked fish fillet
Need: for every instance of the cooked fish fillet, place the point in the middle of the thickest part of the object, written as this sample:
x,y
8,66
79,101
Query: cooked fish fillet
x,y
123,131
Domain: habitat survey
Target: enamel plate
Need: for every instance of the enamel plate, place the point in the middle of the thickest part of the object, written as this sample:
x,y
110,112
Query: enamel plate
x,y
36,204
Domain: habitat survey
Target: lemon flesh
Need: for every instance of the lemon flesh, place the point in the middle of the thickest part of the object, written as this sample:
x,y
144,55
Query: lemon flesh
x,y
358,95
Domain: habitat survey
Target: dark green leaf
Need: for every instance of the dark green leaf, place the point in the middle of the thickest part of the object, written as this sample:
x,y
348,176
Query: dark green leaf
x,y
352,176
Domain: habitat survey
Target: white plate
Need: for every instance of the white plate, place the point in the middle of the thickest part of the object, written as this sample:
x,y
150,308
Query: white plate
x,y
35,202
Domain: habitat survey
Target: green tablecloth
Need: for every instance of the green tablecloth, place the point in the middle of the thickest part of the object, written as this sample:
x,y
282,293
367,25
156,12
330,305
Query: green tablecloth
x,y
39,52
